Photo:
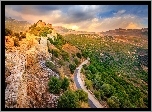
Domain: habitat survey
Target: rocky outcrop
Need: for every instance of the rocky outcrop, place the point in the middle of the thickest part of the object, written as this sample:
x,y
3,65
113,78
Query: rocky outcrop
x,y
40,23
15,62
49,25
27,76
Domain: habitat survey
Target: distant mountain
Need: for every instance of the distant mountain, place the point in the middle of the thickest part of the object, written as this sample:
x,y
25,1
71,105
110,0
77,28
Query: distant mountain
x,y
62,30
15,25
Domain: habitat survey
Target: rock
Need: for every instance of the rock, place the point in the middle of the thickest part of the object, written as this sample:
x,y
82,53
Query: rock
x,y
40,24
9,42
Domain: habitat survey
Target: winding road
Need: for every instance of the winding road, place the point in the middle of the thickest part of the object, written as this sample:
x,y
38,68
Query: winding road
x,y
93,102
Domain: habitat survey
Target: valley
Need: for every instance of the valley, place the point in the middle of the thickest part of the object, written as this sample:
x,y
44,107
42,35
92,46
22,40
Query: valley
x,y
45,67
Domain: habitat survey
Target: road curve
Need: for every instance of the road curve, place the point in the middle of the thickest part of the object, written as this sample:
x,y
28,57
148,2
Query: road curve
x,y
93,102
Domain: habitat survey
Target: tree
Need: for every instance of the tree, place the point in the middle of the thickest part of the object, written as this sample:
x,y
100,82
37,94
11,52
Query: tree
x,y
85,67
89,84
82,95
68,100
92,69
72,68
78,55
113,102
97,94
65,84
107,89
54,85
76,61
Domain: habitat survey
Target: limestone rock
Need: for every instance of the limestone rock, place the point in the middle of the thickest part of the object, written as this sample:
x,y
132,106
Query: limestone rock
x,y
40,24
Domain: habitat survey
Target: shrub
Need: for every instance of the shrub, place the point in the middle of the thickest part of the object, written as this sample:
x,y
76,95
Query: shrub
x,y
78,55
49,65
85,67
97,94
65,84
107,89
76,61
61,62
82,95
113,102
89,84
65,56
55,53
68,100
54,85
72,68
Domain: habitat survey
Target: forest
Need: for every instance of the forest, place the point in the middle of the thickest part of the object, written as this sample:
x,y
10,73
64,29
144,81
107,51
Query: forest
x,y
113,75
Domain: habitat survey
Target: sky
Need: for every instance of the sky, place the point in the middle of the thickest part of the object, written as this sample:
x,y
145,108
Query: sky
x,y
95,18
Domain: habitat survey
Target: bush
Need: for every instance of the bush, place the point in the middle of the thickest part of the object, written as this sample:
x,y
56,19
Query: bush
x,y
54,85
65,56
97,94
49,65
76,61
107,89
72,68
55,53
85,67
89,84
65,84
78,55
82,95
68,100
113,102
61,62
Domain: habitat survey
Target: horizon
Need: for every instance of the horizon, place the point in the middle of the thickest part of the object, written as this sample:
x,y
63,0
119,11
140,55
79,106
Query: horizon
x,y
90,18
81,30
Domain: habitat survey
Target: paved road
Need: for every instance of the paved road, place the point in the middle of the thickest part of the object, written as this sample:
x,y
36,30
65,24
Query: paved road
x,y
93,102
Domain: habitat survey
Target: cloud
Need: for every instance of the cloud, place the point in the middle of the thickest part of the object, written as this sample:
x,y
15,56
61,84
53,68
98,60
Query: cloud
x,y
80,17
119,12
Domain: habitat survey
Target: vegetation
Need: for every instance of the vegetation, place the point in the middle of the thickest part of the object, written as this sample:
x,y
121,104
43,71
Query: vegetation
x,y
113,102
58,41
71,99
65,84
68,100
72,68
54,85
57,85
49,64
78,55
76,61
82,95
113,71
40,31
